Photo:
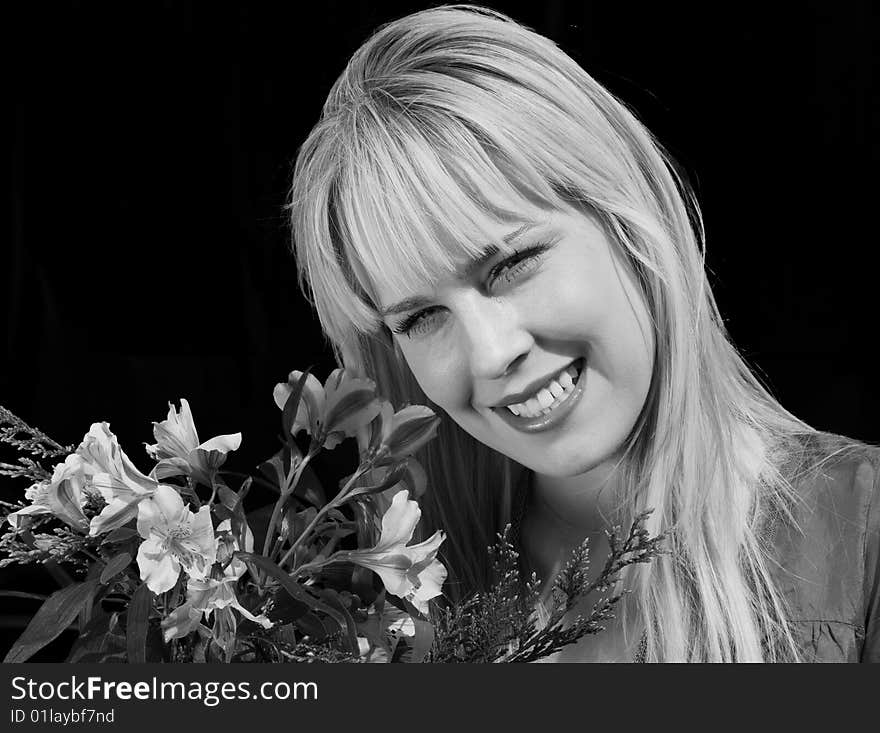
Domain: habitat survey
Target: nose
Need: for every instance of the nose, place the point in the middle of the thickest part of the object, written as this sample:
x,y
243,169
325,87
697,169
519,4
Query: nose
x,y
497,340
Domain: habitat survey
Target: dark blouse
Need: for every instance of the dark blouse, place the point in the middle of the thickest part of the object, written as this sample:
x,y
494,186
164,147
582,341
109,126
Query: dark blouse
x,y
827,559
826,556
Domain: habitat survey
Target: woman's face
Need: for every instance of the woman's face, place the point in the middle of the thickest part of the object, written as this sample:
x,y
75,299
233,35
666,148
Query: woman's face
x,y
544,355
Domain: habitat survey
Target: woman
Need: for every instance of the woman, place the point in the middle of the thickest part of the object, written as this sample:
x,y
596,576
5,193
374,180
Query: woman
x,y
485,229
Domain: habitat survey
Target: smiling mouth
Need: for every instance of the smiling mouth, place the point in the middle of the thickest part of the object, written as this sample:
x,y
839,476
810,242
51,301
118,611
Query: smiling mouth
x,y
550,404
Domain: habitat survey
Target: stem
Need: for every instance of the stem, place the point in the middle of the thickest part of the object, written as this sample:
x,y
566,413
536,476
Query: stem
x,y
92,555
317,564
329,547
286,491
276,548
337,500
255,479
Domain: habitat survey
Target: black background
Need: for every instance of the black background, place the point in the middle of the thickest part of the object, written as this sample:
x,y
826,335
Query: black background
x,y
145,255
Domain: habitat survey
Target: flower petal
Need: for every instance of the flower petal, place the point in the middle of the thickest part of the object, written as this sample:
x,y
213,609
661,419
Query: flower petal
x,y
351,403
412,427
180,622
391,569
201,543
311,403
27,511
200,593
428,548
64,495
117,513
210,455
165,508
399,522
222,443
159,569
101,453
176,435
261,619
431,580
168,467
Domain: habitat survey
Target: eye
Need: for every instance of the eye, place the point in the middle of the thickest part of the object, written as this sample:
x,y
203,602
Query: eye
x,y
418,324
517,264
423,322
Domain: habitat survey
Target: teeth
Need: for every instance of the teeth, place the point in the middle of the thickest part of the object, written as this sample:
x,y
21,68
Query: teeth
x,y
545,398
548,397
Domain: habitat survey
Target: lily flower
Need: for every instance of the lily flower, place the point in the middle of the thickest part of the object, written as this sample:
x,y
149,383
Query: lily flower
x,y
179,452
99,467
397,435
37,494
63,496
174,538
411,572
311,402
331,413
214,594
111,473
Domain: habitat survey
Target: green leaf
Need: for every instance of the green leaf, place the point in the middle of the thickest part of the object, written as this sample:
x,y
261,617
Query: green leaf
x,y
417,648
228,497
115,565
137,624
297,591
234,504
54,616
333,599
21,594
295,522
274,468
313,627
363,582
293,588
286,609
377,480
99,639
121,534
309,488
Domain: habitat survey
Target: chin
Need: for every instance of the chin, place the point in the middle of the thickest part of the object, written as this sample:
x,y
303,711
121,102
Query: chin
x,y
575,461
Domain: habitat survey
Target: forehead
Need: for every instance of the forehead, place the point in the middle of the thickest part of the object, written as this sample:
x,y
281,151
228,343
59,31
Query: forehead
x,y
413,205
405,240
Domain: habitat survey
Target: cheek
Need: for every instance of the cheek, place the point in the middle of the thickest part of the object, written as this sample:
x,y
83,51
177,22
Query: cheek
x,y
568,305
440,375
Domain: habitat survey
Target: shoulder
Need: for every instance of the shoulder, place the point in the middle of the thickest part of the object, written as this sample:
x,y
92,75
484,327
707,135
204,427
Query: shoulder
x,y
832,467
835,482
827,549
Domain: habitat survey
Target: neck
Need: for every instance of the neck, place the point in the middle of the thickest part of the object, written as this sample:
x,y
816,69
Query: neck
x,y
582,504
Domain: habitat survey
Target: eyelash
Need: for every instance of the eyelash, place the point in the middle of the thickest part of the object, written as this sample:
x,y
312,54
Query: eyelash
x,y
508,269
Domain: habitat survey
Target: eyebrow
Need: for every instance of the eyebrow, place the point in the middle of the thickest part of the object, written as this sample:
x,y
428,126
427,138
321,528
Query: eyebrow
x,y
408,304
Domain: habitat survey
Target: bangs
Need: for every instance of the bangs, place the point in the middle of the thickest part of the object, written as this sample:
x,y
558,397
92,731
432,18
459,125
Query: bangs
x,y
416,197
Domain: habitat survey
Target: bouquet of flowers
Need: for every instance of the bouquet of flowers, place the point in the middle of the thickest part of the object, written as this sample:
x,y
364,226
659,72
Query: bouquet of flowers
x,y
172,566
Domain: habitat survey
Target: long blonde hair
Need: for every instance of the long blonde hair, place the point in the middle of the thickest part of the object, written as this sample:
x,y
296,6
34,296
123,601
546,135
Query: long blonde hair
x,y
457,112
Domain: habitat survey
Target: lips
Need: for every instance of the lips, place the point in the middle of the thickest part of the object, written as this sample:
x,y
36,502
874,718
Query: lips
x,y
528,421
